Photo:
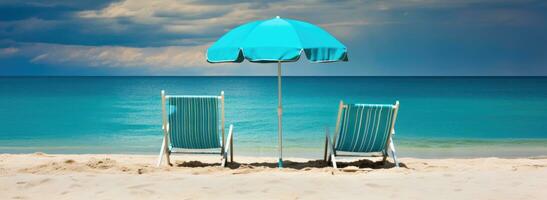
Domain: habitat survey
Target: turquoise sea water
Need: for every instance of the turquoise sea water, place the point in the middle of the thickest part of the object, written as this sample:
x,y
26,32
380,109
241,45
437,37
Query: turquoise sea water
x,y
439,116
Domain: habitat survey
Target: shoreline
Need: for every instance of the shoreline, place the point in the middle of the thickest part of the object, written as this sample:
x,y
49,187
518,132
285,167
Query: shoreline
x,y
437,151
121,176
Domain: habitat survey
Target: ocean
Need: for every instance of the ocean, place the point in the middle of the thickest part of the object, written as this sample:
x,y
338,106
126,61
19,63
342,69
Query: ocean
x,y
438,117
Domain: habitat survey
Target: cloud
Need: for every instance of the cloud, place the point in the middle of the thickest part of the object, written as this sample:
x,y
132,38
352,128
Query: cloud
x,y
26,26
205,16
209,19
143,23
43,9
110,56
175,33
8,51
154,11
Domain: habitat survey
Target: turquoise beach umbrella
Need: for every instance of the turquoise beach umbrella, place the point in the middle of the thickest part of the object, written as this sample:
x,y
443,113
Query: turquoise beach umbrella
x,y
274,41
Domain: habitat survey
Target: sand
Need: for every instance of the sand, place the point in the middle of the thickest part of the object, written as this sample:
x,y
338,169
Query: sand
x,y
43,176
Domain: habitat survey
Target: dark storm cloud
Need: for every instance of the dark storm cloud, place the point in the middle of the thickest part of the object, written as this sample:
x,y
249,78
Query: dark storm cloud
x,y
392,37
60,23
48,10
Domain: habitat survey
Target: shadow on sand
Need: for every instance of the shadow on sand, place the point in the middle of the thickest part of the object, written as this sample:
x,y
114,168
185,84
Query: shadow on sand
x,y
364,163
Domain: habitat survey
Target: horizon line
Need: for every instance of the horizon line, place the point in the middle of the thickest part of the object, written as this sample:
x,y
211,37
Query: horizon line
x,y
258,76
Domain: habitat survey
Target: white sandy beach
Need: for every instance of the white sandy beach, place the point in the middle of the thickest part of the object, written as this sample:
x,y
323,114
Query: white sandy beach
x,y
42,176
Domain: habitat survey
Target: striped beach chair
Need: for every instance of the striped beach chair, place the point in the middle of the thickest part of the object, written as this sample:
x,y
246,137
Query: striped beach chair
x,y
194,125
362,129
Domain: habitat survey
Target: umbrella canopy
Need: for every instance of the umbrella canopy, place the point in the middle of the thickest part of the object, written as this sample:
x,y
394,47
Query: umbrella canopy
x,y
277,40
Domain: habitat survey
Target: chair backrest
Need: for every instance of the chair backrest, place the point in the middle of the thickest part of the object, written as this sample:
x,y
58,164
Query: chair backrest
x,y
194,121
365,127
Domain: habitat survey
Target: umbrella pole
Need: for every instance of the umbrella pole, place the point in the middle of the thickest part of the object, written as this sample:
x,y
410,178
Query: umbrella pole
x,y
279,116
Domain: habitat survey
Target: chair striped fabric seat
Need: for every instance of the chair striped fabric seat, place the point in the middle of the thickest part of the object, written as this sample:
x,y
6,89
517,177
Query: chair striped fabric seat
x,y
194,125
194,122
363,128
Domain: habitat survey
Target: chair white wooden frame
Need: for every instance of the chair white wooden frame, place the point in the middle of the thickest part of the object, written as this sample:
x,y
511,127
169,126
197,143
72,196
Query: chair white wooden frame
x,y
225,147
330,153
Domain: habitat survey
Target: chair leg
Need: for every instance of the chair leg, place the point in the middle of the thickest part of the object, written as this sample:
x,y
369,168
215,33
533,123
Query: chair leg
x,y
326,149
393,153
223,160
329,149
333,161
162,151
168,154
384,155
228,147
160,158
232,149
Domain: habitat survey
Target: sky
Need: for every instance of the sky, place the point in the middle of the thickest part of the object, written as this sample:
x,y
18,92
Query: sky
x,y
170,37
